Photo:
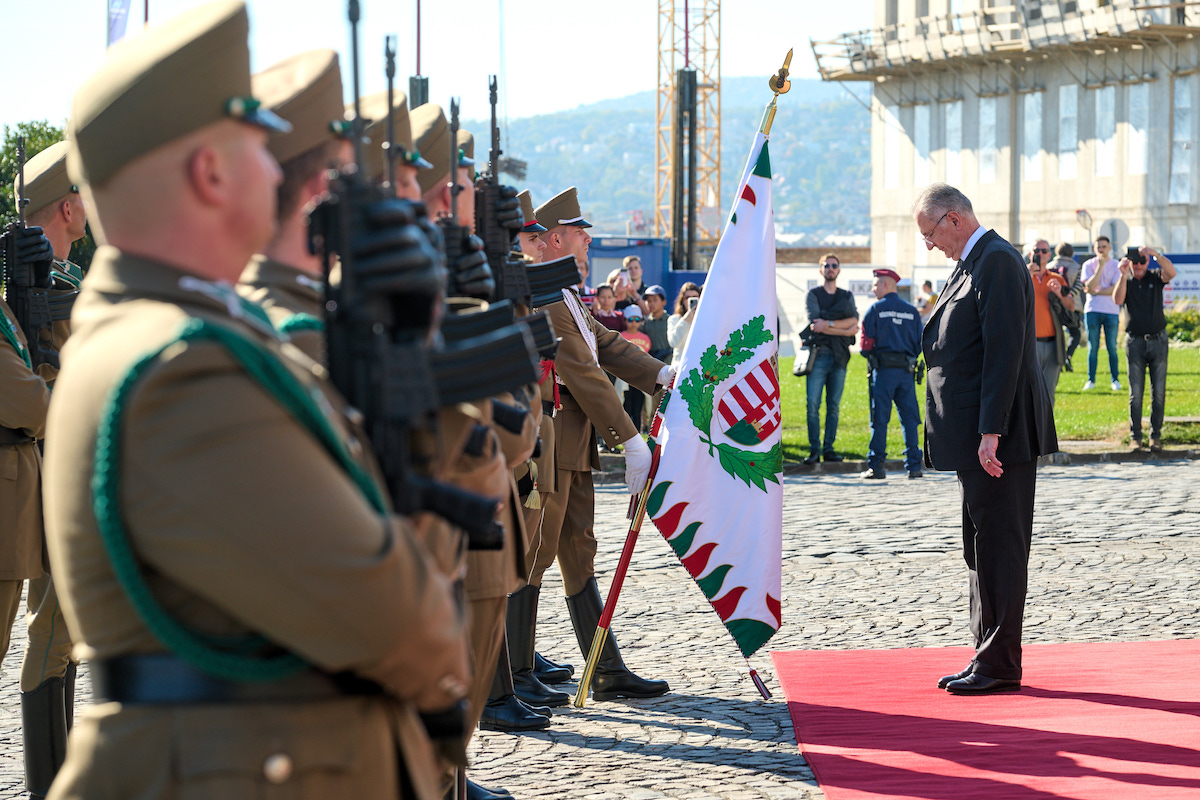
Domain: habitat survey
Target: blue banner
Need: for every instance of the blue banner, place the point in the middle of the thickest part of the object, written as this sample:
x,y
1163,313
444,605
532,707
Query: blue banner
x,y
118,16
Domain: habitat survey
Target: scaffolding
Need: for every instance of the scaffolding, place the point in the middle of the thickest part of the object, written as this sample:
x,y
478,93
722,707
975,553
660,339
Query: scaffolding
x,y
689,41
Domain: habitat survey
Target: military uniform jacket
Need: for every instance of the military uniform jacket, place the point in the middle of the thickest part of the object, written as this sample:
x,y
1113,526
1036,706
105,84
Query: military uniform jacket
x,y
589,399
284,293
983,375
241,522
24,399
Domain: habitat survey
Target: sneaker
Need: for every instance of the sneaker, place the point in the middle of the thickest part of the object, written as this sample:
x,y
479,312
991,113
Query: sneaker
x,y
1155,444
831,456
1067,365
812,458
1135,445
916,473
872,474
1089,385
1116,386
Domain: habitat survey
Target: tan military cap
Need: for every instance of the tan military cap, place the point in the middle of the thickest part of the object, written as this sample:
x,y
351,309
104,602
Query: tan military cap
x,y
374,111
466,144
562,209
531,223
431,133
306,90
170,80
46,178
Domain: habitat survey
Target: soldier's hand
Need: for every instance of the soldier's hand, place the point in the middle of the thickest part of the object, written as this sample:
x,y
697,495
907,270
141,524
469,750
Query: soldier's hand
x,y
471,276
392,254
508,210
665,375
637,464
35,251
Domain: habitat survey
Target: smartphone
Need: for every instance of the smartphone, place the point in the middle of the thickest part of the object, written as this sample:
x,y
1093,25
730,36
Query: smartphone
x,y
692,301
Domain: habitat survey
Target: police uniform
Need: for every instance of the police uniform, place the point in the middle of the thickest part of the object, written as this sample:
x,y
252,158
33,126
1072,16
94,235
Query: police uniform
x,y
245,638
588,405
892,342
47,669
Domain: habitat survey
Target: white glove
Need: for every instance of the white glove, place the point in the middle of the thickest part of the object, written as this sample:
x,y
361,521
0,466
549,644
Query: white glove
x,y
665,376
637,464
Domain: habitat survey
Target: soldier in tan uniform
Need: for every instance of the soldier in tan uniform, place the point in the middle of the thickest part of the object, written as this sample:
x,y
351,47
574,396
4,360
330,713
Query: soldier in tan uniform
x,y
244,638
287,279
408,160
48,670
589,404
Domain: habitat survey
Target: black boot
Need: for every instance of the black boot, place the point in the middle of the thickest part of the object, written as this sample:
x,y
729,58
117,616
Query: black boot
x,y
477,792
503,711
44,724
612,679
69,693
549,672
521,626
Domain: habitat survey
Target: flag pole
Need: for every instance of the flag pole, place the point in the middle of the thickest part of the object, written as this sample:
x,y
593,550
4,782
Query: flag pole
x,y
779,85
614,591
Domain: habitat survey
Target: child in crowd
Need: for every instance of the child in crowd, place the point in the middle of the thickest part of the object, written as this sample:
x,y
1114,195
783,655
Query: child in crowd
x,y
634,398
604,309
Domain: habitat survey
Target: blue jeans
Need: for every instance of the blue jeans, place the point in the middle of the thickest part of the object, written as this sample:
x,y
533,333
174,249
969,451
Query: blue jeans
x,y
1095,321
830,378
891,385
1144,356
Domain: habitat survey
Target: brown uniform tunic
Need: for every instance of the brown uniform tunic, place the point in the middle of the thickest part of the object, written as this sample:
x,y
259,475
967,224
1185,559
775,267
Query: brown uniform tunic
x,y
241,522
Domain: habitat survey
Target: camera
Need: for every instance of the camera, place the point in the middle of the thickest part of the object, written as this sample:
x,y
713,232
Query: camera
x,y
692,301
1134,256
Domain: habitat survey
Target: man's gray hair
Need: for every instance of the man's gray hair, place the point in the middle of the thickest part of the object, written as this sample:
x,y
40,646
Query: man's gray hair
x,y
940,198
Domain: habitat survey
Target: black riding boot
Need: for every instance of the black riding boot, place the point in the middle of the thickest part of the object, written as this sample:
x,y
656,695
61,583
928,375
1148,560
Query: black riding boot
x,y
504,711
521,627
612,679
548,672
44,725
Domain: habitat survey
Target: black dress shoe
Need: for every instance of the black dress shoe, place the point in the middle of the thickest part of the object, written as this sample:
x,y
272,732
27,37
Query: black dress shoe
x,y
477,792
976,683
833,457
945,679
872,474
916,473
812,458
510,714
533,692
549,673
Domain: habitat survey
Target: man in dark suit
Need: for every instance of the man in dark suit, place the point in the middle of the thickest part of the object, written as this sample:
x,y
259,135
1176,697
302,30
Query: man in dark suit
x,y
988,417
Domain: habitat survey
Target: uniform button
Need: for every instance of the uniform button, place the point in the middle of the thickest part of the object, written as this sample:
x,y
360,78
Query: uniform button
x,y
278,768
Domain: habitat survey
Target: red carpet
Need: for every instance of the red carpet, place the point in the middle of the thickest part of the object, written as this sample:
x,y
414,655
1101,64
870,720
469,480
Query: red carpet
x,y
1112,721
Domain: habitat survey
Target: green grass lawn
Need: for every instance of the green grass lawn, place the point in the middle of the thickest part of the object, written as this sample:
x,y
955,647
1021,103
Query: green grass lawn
x,y
1098,414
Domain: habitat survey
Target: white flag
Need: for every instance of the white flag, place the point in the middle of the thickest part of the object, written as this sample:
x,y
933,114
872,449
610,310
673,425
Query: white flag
x,y
716,496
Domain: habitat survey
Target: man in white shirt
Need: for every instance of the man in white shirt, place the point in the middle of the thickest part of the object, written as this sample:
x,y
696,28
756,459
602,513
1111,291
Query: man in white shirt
x,y
1100,276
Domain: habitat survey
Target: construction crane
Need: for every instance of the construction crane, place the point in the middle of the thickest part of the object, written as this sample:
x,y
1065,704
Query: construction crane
x,y
687,148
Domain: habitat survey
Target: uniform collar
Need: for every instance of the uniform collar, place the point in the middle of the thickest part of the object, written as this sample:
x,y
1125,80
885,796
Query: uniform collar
x,y
135,277
265,271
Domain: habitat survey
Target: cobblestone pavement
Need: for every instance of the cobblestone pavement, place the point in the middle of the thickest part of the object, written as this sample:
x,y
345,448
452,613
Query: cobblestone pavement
x,y
866,565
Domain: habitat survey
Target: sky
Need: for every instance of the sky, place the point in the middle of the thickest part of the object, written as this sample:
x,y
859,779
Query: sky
x,y
556,55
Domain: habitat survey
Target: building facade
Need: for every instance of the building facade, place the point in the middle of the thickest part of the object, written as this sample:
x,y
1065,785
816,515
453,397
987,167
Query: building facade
x,y
1035,111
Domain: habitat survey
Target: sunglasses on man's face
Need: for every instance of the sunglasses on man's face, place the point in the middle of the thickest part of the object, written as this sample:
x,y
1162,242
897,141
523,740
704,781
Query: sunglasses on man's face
x,y
633,319
1040,250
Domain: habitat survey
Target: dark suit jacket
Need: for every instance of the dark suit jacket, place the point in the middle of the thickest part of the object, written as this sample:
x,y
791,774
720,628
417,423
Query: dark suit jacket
x,y
980,348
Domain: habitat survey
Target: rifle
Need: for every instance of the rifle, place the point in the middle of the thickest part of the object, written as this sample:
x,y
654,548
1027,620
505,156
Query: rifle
x,y
547,280
508,272
389,147
29,302
377,347
453,233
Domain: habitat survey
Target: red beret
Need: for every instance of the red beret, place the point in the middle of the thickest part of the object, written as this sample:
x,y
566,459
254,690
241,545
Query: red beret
x,y
886,273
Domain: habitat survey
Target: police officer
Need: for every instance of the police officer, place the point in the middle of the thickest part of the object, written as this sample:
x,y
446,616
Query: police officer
x,y
255,618
891,342
48,670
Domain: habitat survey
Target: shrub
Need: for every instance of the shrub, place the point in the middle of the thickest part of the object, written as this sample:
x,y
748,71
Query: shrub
x,y
1184,326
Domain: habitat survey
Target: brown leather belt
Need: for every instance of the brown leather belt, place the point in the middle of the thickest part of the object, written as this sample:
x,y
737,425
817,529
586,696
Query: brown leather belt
x,y
14,436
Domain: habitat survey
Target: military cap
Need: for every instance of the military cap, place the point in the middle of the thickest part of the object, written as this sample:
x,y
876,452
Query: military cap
x,y
466,145
306,90
531,223
562,209
431,133
374,111
46,178
171,80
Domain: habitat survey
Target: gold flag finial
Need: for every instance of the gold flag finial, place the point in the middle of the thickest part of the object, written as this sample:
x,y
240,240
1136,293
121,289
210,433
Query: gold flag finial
x,y
779,85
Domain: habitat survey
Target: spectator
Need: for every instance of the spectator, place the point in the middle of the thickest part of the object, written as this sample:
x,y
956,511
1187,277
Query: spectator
x,y
926,301
631,270
1068,268
679,325
635,399
1100,275
834,321
604,309
1140,291
1051,351
655,323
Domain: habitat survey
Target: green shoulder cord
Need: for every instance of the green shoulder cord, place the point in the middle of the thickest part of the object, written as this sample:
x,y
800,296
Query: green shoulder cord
x,y
300,322
198,649
10,336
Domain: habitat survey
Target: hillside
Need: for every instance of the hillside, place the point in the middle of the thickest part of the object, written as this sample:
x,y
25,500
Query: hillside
x,y
820,153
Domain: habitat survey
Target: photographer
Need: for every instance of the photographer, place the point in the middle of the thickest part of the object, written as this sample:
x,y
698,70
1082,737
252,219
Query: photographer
x,y
679,324
1140,291
1048,290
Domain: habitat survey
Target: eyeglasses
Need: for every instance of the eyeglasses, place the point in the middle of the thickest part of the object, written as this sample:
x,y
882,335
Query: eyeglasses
x,y
926,236
1040,250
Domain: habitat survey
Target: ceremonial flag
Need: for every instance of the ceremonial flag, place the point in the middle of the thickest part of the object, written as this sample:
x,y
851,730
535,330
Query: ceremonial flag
x,y
118,16
716,496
